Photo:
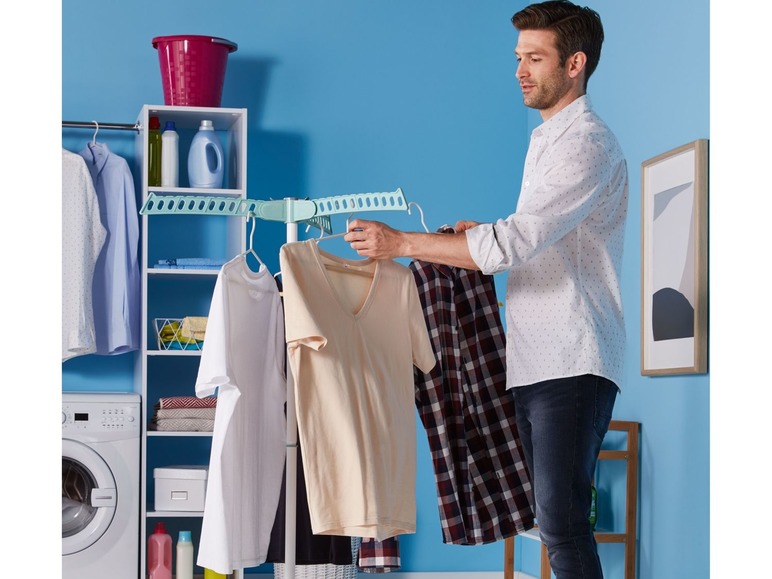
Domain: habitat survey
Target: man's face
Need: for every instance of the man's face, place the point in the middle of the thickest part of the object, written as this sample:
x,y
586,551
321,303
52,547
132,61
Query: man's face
x,y
543,80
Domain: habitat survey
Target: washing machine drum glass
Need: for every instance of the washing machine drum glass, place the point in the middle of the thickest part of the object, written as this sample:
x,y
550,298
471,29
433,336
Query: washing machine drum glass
x,y
77,486
88,497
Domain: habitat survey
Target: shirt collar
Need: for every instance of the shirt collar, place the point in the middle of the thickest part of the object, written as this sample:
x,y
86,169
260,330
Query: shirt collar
x,y
96,157
556,125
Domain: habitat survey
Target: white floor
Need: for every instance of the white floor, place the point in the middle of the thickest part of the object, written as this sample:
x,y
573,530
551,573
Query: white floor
x,y
446,575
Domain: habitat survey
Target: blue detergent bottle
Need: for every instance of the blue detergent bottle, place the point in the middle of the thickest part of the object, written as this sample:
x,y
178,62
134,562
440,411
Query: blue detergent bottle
x,y
205,159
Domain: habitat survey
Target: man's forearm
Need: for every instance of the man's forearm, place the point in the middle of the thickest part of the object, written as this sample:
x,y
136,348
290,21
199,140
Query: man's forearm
x,y
379,241
444,248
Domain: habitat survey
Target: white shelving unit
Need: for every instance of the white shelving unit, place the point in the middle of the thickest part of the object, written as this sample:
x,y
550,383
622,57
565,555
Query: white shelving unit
x,y
176,293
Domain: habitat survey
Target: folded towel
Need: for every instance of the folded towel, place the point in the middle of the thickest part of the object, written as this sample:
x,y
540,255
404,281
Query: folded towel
x,y
182,425
186,402
193,328
206,413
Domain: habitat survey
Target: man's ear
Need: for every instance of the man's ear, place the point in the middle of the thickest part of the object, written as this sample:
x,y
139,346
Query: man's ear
x,y
576,63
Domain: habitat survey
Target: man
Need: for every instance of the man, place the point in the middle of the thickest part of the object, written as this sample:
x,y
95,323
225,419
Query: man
x,y
562,249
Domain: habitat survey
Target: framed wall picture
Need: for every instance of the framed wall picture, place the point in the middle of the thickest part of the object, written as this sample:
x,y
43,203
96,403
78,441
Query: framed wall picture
x,y
674,261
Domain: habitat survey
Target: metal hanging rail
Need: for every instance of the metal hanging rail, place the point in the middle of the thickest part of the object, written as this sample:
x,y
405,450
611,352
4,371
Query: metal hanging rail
x,y
97,125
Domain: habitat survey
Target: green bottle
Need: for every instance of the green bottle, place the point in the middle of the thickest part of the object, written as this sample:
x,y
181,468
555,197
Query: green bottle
x,y
594,508
154,153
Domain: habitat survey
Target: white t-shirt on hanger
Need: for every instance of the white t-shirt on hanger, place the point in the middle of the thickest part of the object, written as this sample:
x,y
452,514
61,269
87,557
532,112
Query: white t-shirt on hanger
x,y
243,359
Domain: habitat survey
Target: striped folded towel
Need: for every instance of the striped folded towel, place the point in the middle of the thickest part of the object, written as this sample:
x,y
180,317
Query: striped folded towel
x,y
186,402
205,413
182,425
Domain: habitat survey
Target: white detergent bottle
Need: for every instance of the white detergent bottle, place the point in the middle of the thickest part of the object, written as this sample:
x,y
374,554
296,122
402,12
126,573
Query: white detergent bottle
x,y
170,174
184,568
205,159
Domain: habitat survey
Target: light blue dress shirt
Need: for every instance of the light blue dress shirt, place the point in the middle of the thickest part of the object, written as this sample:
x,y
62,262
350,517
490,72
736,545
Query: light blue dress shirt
x,y
116,287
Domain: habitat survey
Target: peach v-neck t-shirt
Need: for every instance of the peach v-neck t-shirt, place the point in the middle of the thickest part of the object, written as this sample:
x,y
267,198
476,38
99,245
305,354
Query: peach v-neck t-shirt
x,y
352,341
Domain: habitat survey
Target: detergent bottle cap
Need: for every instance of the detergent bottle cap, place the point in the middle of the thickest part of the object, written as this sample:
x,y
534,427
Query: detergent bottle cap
x,y
160,528
206,126
184,537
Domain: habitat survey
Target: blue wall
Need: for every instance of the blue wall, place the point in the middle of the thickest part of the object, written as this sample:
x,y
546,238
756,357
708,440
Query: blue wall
x,y
351,96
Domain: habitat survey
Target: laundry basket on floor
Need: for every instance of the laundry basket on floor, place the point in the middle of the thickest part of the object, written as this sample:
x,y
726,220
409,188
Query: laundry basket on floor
x,y
323,571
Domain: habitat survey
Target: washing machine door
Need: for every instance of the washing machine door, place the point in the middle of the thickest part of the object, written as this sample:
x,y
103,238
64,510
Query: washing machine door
x,y
88,496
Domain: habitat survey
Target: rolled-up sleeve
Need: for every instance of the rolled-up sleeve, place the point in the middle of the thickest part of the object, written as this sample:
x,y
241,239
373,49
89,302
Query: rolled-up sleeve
x,y
485,250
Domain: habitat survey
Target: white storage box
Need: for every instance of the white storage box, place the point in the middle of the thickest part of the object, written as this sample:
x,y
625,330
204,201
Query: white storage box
x,y
180,488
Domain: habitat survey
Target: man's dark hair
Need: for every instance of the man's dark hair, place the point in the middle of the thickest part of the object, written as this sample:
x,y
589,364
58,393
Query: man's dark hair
x,y
576,29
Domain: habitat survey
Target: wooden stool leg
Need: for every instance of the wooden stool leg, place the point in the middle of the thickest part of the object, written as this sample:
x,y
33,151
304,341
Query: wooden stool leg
x,y
509,558
546,570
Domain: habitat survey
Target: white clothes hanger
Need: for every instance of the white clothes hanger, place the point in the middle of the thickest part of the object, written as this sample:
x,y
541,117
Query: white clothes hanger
x,y
344,267
251,248
96,131
420,211
322,237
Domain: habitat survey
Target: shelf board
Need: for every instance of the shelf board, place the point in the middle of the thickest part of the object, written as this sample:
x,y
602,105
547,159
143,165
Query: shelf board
x,y
171,514
189,117
168,433
174,353
170,271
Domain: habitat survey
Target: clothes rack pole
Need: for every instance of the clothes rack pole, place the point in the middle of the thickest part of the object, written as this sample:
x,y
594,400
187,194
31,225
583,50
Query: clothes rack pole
x,y
98,125
290,511
291,211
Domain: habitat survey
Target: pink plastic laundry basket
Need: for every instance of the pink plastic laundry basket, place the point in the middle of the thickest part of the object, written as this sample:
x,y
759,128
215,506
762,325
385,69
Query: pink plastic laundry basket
x,y
193,68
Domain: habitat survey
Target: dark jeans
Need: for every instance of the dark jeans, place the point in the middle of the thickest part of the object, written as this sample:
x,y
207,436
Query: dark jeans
x,y
562,424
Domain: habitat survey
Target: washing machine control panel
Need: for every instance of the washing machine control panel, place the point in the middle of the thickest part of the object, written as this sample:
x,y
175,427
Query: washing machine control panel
x,y
80,416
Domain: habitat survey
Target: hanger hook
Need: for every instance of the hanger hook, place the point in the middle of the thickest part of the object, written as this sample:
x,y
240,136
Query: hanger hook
x,y
93,140
420,211
251,249
321,231
350,215
253,223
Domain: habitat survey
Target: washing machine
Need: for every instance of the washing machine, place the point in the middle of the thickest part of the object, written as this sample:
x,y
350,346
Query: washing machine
x,y
100,485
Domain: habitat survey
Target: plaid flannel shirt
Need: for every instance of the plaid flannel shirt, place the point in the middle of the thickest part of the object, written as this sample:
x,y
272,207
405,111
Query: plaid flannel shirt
x,y
379,556
483,487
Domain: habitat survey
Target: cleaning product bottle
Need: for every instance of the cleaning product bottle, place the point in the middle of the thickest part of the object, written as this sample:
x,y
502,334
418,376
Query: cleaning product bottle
x,y
205,159
209,574
170,164
154,153
159,553
184,568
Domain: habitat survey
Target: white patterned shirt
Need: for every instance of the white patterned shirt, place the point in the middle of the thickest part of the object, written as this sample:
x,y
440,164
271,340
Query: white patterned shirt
x,y
82,239
562,249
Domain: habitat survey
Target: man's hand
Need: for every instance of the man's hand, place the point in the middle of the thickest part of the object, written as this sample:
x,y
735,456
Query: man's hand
x,y
374,239
464,225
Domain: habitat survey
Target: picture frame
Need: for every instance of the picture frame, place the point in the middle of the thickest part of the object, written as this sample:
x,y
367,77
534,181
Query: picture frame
x,y
674,261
